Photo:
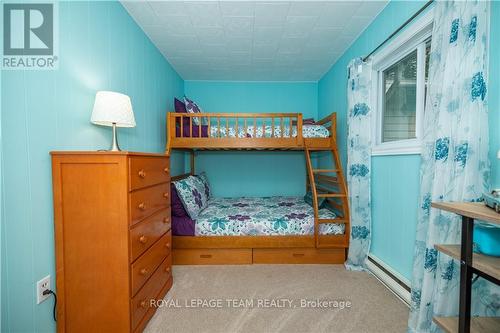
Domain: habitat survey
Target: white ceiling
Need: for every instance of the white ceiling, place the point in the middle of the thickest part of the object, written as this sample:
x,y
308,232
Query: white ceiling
x,y
253,40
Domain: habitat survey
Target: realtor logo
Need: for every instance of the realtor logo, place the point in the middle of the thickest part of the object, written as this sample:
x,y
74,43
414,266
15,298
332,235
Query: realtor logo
x,y
29,32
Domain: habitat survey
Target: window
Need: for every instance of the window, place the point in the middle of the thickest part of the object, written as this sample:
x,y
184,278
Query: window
x,y
399,86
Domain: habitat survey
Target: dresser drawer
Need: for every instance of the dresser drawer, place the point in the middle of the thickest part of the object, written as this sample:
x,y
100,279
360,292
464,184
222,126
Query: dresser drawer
x,y
141,303
147,171
147,232
145,202
146,264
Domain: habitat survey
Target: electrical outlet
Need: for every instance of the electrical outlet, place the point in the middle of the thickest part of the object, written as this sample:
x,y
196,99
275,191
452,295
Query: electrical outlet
x,y
41,286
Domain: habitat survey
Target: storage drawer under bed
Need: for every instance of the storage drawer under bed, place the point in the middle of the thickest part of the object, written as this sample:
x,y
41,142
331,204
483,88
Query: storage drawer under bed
x,y
211,256
298,256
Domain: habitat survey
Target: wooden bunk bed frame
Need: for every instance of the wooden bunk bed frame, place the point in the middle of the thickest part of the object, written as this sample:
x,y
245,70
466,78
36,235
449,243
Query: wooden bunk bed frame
x,y
323,183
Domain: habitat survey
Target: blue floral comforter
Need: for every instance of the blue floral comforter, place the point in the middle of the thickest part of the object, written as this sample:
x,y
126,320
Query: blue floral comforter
x,y
308,131
269,216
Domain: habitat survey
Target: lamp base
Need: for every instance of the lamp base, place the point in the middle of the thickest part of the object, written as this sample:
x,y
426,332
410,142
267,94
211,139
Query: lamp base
x,y
114,144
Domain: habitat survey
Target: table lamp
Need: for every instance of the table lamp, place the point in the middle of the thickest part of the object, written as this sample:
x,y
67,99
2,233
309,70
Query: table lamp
x,y
112,109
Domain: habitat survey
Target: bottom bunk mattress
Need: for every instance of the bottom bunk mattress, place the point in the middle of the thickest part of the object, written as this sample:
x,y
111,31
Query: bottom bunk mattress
x,y
267,216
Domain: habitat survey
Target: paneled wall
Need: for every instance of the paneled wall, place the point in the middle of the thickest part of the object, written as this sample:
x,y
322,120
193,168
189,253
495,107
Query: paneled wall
x,y
101,48
254,173
395,179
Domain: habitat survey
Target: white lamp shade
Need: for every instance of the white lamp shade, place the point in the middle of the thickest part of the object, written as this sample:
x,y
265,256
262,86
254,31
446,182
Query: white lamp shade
x,y
112,108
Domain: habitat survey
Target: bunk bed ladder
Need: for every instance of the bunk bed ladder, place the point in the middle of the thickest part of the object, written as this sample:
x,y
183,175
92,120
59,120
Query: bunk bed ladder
x,y
329,184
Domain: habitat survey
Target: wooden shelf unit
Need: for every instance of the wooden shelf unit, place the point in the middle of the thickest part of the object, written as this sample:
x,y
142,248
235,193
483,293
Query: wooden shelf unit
x,y
473,210
485,266
477,324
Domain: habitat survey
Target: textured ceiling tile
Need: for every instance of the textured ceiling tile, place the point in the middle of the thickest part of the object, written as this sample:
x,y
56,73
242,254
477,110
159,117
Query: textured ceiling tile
x,y
267,34
265,50
206,21
271,13
212,50
253,40
238,26
325,34
211,35
270,8
306,8
168,8
299,26
203,8
239,44
237,8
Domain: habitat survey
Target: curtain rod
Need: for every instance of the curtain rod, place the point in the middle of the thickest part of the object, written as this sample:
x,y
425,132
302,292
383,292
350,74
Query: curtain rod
x,y
399,29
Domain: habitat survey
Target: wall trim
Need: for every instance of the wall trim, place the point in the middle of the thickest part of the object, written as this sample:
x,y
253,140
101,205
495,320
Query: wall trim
x,y
397,284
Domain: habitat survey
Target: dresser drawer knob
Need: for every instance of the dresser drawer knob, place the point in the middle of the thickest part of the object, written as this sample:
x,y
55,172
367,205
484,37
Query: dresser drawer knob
x,y
167,245
143,304
142,173
143,239
144,271
165,220
142,206
165,195
167,269
166,170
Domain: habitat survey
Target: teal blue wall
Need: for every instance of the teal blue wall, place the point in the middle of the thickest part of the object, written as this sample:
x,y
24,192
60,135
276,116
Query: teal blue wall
x,y
395,183
101,47
254,173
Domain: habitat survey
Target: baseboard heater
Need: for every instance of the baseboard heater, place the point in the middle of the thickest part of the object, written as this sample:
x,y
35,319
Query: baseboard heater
x,y
392,280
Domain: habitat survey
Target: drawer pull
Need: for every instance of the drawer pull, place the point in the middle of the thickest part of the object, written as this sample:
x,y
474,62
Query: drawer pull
x,y
144,271
166,170
142,173
167,269
298,254
143,304
143,239
165,220
142,206
165,195
205,256
167,245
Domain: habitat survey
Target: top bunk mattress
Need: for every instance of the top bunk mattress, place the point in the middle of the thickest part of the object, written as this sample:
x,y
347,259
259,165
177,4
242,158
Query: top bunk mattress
x,y
267,216
308,131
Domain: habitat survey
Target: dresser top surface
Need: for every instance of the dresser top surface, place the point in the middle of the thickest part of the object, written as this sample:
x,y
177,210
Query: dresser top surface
x,y
113,153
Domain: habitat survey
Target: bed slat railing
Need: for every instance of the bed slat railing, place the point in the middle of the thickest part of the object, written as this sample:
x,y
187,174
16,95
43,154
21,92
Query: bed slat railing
x,y
259,130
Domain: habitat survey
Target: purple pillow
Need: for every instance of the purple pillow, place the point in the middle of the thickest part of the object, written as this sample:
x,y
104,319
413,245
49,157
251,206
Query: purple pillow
x,y
176,203
182,226
180,107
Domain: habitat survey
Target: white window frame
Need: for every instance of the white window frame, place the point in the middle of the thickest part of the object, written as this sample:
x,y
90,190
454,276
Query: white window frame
x,y
405,43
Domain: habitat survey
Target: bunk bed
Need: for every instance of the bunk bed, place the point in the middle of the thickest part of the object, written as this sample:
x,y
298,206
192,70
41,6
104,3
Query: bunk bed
x,y
327,240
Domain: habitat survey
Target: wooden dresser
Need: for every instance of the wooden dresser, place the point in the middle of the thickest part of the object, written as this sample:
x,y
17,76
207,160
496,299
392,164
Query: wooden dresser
x,y
113,239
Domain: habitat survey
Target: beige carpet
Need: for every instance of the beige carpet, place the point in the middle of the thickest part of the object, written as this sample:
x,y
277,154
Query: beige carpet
x,y
262,288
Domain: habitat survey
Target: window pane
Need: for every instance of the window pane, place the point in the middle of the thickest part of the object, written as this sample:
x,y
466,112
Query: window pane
x,y
427,58
399,99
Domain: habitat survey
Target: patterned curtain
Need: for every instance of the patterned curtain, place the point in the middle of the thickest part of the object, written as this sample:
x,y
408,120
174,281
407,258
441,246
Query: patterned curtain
x,y
359,161
454,159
